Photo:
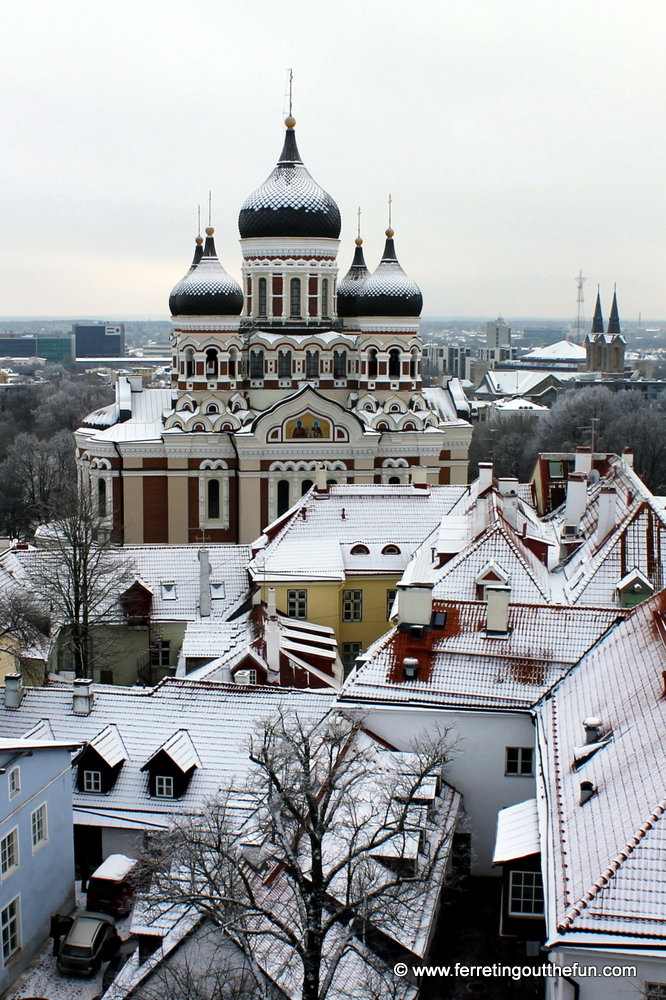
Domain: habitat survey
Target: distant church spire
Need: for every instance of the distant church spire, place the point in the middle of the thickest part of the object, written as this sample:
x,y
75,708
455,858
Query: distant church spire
x,y
614,318
597,319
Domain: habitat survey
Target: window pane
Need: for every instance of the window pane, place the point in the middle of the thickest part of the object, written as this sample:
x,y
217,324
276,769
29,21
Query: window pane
x,y
9,921
297,603
352,605
8,852
295,297
526,894
213,499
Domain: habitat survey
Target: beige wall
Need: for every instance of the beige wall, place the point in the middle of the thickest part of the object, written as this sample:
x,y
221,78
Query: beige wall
x,y
133,506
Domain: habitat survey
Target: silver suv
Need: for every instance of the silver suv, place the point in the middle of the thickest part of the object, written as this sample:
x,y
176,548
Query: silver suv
x,y
91,940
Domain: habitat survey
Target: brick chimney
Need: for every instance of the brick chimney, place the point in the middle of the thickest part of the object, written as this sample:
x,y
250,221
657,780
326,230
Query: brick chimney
x,y
583,460
84,696
607,511
13,690
497,615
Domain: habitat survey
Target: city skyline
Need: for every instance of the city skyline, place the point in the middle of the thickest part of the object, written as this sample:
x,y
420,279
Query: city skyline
x,y
518,146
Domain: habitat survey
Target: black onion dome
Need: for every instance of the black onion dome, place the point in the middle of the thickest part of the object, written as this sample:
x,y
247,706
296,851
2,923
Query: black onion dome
x,y
290,202
350,286
389,291
206,289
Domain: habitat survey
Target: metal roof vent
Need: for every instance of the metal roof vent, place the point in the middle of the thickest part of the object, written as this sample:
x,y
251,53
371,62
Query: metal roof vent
x,y
587,790
13,690
410,666
592,729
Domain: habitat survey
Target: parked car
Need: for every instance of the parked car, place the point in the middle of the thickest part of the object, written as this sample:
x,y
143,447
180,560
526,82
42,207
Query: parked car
x,y
111,887
91,940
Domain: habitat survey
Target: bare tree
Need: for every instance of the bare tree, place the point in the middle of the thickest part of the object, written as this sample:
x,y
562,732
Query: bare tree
x,y
23,621
338,857
80,578
39,482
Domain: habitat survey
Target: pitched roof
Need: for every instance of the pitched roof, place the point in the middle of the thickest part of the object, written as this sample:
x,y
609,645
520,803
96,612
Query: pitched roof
x,y
460,665
606,879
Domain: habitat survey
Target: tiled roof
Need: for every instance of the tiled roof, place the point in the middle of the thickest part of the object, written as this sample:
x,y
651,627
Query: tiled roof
x,y
606,875
371,515
461,666
217,717
180,749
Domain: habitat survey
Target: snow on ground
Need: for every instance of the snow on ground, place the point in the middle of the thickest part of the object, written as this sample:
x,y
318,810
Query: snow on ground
x,y
42,978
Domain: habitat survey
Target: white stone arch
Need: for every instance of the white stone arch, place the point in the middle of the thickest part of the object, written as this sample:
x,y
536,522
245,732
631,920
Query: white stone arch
x,y
236,402
396,468
226,418
394,404
368,403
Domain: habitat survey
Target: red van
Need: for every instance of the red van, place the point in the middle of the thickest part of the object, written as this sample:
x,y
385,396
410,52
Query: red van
x,y
111,887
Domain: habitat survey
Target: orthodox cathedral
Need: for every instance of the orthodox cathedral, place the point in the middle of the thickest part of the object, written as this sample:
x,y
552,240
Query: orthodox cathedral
x,y
272,379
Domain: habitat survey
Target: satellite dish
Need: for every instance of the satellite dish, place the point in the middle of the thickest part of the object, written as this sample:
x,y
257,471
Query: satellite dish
x,y
593,476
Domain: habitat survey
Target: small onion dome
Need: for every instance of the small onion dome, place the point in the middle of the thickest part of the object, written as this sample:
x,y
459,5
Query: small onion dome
x,y
350,286
389,291
289,203
198,252
206,289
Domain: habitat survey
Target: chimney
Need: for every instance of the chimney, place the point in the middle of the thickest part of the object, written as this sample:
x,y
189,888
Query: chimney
x,y
414,604
628,458
204,583
480,515
607,510
485,476
322,489
507,485
592,728
84,696
583,460
420,477
410,668
272,638
509,490
587,790
576,499
497,615
13,690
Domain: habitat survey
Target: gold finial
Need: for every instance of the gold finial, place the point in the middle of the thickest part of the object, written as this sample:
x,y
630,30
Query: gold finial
x,y
358,241
209,230
290,122
199,240
390,233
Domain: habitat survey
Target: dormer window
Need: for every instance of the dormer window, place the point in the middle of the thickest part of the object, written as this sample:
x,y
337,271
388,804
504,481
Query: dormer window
x,y
100,762
171,767
92,781
217,591
169,591
360,550
390,550
634,588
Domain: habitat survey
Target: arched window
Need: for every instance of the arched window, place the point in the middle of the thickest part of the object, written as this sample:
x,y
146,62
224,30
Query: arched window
x,y
409,427
233,356
213,499
284,364
394,363
282,496
211,363
394,481
212,408
360,550
372,363
101,497
256,364
295,297
306,485
189,363
199,427
382,426
339,364
262,297
414,364
324,297
226,427
394,408
312,364
390,550
331,482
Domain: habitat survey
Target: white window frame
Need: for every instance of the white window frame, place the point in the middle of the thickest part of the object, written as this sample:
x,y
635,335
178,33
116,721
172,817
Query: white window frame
x,y
92,779
166,781
6,921
297,604
537,882
523,753
352,605
39,826
14,782
11,837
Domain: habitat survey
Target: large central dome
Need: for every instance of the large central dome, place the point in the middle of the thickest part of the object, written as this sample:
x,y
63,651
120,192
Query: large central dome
x,y
290,202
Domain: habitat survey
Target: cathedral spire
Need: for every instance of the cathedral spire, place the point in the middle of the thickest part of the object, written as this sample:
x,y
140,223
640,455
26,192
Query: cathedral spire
x,y
614,318
597,320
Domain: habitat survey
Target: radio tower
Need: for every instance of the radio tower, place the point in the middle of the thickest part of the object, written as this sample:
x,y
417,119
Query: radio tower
x,y
580,308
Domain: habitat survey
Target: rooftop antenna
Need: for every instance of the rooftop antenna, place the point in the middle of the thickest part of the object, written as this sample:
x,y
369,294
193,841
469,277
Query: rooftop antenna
x,y
580,308
390,203
210,208
358,225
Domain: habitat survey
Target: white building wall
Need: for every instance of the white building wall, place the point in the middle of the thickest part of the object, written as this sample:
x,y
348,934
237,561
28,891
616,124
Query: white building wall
x,y
621,985
477,769
115,841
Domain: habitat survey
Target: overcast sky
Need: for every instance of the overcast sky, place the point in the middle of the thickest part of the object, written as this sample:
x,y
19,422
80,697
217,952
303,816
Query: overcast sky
x,y
520,141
